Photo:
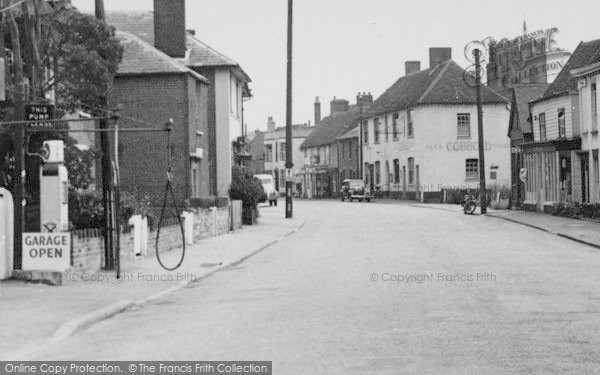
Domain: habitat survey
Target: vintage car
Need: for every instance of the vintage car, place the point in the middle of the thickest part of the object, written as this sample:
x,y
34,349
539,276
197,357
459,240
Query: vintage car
x,y
355,189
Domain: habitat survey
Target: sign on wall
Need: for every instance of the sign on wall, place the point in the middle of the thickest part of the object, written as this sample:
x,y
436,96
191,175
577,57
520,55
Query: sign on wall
x,y
47,251
39,113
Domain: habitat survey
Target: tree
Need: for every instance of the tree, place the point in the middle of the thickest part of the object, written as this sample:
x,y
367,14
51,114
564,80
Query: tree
x,y
83,54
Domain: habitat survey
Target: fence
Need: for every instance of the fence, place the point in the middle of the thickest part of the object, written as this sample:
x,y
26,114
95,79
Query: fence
x,y
88,244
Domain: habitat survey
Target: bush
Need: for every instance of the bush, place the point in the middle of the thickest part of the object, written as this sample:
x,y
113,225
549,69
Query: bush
x,y
249,190
86,209
245,187
207,202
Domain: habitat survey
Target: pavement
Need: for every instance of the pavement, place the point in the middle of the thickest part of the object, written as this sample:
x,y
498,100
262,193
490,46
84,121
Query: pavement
x,y
34,316
580,230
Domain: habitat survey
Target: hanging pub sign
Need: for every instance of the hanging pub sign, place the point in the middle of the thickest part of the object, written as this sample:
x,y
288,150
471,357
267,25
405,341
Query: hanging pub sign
x,y
38,113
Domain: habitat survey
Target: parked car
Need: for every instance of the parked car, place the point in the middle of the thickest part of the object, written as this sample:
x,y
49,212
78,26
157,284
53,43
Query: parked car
x,y
355,189
268,185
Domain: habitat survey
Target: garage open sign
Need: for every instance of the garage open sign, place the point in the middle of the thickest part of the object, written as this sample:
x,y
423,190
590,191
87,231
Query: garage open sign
x,y
47,251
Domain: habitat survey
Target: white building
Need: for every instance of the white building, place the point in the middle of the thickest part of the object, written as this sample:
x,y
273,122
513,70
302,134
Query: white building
x,y
588,79
275,151
420,136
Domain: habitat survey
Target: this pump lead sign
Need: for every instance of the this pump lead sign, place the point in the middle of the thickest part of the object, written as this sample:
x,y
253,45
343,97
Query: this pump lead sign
x,y
47,251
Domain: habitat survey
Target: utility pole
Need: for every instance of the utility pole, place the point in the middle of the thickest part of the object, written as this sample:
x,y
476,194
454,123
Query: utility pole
x,y
106,167
288,117
19,147
482,191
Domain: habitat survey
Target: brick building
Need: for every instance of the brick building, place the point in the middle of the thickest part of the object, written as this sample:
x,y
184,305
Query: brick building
x,y
152,88
221,103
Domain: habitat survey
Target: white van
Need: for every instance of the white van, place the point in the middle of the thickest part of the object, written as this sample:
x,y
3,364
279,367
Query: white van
x,y
269,186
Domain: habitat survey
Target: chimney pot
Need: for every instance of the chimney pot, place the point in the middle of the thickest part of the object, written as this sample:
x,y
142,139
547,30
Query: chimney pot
x,y
317,111
339,105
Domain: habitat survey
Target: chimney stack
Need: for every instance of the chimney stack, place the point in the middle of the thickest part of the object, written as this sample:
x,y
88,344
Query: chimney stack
x,y
317,111
169,27
339,105
411,67
270,124
438,55
364,100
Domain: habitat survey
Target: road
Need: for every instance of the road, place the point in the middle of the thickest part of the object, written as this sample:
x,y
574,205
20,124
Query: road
x,y
378,288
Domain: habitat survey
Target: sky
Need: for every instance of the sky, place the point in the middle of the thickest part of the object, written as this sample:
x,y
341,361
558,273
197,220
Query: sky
x,y
342,47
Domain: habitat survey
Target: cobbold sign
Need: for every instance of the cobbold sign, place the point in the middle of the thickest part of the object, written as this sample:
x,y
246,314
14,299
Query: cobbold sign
x,y
530,58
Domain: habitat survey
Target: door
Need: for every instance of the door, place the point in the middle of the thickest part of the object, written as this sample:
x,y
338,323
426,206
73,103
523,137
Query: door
x,y
584,178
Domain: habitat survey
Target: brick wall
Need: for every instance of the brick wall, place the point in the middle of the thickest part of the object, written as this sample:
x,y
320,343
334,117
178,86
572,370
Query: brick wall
x,y
150,101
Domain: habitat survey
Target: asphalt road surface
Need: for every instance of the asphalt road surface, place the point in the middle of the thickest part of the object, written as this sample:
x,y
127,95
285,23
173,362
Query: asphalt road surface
x,y
378,288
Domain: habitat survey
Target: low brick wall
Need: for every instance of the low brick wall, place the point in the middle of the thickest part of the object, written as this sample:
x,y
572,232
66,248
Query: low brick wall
x,y
88,244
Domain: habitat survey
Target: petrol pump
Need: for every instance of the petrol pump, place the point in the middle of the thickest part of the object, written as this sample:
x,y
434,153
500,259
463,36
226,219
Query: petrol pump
x,y
54,188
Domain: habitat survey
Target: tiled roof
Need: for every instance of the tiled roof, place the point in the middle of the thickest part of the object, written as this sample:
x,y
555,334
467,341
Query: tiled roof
x,y
200,54
141,24
140,57
332,127
353,133
585,54
446,83
522,95
138,23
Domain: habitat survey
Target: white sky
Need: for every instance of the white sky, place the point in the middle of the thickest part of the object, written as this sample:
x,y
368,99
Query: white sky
x,y
342,47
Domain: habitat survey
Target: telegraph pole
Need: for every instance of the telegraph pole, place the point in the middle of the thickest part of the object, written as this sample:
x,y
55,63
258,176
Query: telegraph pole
x,y
106,167
482,191
19,147
288,117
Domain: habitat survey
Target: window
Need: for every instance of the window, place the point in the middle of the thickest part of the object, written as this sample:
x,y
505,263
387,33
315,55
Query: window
x,y
365,132
376,129
385,124
463,121
542,120
269,151
594,108
409,124
377,173
282,151
411,170
395,126
594,102
562,130
472,169
396,171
